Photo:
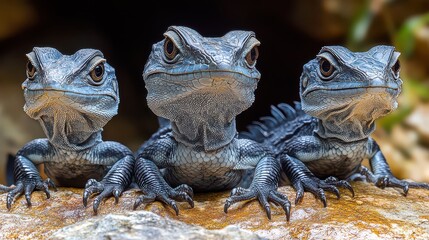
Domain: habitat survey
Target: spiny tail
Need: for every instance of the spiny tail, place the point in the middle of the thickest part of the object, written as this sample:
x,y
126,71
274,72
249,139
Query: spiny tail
x,y
285,121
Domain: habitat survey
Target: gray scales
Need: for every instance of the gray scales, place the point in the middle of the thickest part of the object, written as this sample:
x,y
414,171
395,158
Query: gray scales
x,y
199,85
72,97
322,141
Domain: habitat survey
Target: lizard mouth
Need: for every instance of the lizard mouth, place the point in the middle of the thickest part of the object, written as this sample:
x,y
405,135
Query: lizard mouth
x,y
203,80
349,89
69,94
205,71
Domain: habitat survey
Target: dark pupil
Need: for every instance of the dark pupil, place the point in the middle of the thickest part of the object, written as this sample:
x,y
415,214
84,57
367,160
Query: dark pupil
x,y
326,66
169,47
98,71
253,54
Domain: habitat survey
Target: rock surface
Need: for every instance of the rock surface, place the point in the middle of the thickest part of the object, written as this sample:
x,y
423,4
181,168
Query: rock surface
x,y
145,225
372,214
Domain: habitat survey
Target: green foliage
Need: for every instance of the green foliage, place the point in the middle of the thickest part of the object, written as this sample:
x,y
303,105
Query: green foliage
x,y
405,37
359,27
413,93
420,89
394,118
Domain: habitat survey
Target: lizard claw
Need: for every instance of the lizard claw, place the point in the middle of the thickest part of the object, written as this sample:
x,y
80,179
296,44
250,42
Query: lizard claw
x,y
146,198
383,181
91,186
264,195
340,183
167,195
26,186
116,194
406,188
299,192
155,188
318,187
174,206
105,190
15,192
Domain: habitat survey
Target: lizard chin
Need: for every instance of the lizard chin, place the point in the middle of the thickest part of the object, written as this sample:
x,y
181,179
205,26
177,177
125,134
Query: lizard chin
x,y
202,110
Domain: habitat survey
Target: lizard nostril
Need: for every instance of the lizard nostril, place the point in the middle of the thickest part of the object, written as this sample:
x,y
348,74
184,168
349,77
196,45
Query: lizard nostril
x,y
31,71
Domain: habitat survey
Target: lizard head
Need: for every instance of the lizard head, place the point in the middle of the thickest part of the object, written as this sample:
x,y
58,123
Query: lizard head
x,y
201,82
348,90
72,96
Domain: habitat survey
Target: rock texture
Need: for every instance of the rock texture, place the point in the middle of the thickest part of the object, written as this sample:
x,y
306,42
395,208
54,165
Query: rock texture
x,y
145,225
372,214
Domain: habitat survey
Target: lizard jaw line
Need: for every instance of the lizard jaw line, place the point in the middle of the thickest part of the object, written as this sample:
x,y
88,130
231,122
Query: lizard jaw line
x,y
348,88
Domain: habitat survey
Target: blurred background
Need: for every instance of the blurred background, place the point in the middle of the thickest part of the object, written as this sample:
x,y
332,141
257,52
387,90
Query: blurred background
x,y
291,33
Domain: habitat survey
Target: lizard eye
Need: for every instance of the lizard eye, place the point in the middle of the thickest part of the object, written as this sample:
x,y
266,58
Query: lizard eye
x,y
252,56
97,73
170,49
31,71
326,68
395,68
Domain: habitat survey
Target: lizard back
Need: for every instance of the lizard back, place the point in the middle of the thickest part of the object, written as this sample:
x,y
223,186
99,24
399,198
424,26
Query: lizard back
x,y
283,125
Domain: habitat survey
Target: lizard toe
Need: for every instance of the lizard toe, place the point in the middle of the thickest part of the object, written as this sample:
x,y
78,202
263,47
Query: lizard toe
x,y
234,198
146,198
28,190
281,200
15,192
91,187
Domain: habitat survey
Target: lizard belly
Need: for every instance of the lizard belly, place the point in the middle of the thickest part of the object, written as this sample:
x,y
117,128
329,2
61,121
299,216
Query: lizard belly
x,y
70,169
204,171
341,161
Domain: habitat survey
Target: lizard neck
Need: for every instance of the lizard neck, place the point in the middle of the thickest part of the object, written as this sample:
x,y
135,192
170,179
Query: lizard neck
x,y
70,135
348,131
209,135
203,118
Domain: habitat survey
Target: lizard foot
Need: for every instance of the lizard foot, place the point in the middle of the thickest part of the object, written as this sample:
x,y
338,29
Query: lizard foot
x,y
167,195
26,186
388,180
264,195
318,187
105,190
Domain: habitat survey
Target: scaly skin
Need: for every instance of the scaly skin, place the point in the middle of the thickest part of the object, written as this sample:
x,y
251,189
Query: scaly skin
x,y
200,84
322,142
72,97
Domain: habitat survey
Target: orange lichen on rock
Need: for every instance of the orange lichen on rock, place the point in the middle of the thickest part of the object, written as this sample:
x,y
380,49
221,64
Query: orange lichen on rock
x,y
373,213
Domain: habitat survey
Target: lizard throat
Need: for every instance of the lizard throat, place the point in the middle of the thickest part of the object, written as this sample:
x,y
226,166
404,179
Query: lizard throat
x,y
350,119
68,122
204,119
350,131
66,135
209,136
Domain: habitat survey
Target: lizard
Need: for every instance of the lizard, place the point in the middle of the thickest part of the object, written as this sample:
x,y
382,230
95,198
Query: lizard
x,y
198,85
322,140
72,97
